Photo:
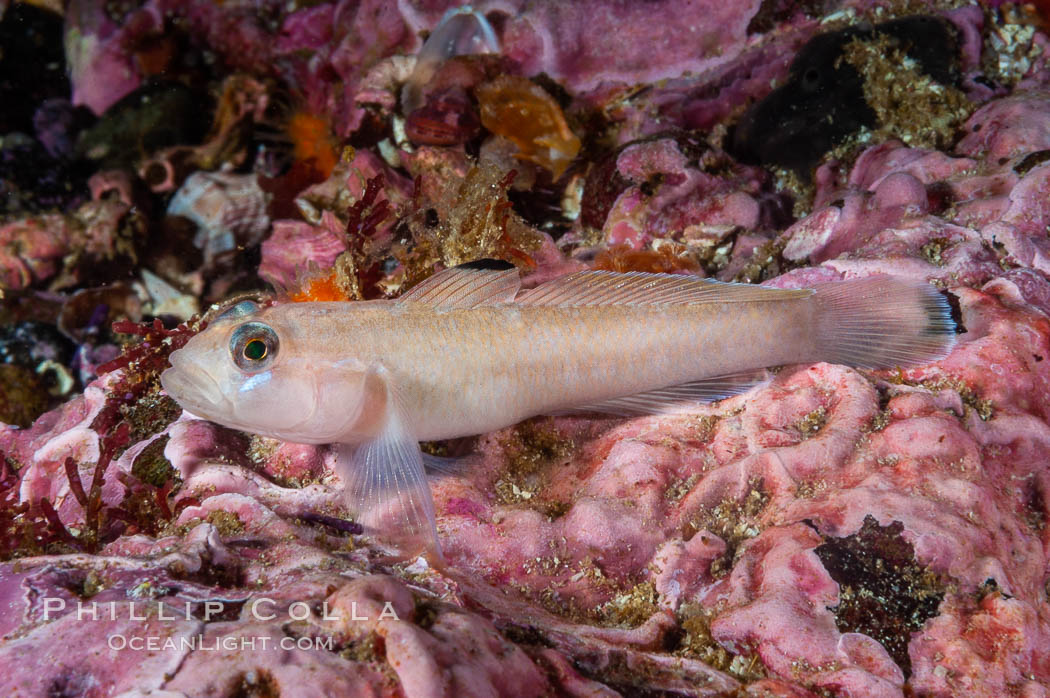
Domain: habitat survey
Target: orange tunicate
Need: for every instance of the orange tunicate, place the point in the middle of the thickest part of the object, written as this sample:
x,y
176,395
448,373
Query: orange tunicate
x,y
523,113
1041,9
322,287
313,142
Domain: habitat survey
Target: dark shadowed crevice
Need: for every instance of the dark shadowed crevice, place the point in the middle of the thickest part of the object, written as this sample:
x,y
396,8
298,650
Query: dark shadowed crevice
x,y
883,592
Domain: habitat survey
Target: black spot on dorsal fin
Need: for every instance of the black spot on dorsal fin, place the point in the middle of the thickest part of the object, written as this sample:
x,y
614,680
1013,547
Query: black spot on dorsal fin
x,y
487,264
484,282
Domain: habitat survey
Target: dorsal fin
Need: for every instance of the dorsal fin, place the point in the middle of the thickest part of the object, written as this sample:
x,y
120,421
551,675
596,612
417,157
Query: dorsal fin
x,y
484,282
640,288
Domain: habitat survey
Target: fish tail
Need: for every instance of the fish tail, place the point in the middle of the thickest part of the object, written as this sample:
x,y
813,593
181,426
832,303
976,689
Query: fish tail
x,y
882,322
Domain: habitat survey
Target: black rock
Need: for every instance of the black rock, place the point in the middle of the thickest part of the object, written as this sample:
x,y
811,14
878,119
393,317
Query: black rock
x,y
32,180
32,64
823,102
57,123
156,115
29,343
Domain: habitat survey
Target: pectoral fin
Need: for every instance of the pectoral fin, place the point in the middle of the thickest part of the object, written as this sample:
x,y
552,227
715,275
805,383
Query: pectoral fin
x,y
386,486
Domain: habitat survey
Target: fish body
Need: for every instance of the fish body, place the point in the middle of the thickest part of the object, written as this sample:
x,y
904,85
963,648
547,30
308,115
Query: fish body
x,y
468,371
467,352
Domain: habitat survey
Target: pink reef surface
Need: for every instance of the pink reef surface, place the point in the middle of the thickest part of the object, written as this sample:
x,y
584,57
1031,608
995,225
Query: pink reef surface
x,y
832,532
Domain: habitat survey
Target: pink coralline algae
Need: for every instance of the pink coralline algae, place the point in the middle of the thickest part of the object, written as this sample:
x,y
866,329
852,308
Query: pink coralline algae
x,y
295,245
937,215
582,44
684,194
38,249
831,532
32,249
296,248
309,46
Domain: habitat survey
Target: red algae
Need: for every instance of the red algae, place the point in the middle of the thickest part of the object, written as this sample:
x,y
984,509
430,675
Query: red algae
x,y
448,118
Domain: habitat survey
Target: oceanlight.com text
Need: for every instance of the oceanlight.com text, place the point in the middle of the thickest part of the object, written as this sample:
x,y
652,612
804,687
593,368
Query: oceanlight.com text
x,y
120,643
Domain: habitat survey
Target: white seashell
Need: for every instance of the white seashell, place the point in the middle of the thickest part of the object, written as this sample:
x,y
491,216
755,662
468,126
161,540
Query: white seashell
x,y
229,210
310,212
168,300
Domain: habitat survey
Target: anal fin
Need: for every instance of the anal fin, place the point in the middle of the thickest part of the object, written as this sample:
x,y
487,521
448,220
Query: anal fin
x,y
675,398
444,466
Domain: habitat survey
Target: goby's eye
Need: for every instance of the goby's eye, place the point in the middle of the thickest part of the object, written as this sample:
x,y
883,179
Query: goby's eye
x,y
255,350
253,346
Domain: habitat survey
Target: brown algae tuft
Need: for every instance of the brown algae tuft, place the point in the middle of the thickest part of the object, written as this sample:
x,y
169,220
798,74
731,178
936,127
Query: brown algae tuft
x,y
734,520
910,104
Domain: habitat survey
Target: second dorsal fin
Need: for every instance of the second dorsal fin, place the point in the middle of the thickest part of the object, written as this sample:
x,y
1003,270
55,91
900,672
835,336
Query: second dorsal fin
x,y
484,282
590,288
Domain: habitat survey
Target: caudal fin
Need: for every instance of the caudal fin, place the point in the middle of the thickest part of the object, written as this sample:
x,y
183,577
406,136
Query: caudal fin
x,y
882,322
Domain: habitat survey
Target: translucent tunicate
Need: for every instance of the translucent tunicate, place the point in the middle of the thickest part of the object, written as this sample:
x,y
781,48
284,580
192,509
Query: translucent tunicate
x,y
462,31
